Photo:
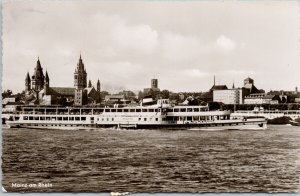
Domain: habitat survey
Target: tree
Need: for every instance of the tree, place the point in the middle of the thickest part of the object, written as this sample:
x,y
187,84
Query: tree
x,y
103,94
20,96
6,93
140,95
165,94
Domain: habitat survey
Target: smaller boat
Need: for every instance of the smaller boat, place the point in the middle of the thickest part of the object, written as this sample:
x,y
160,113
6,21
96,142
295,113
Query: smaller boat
x,y
295,122
268,114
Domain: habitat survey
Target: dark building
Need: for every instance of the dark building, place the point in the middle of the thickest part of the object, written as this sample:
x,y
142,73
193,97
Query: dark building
x,y
80,84
37,81
39,92
154,90
154,83
249,84
83,94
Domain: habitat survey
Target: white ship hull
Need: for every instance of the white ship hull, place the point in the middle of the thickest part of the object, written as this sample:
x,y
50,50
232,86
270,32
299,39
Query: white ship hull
x,y
141,117
207,125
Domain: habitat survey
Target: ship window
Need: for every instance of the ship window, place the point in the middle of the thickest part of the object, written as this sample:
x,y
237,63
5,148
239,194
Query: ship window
x,y
132,110
71,118
36,118
30,117
125,110
189,109
59,118
156,110
48,118
139,119
196,109
65,118
107,119
182,109
119,110
42,118
202,109
189,118
25,117
112,119
83,118
176,110
107,110
182,118
164,119
92,118
169,110
151,110
77,118
138,110
196,117
113,110
145,119
144,110
156,119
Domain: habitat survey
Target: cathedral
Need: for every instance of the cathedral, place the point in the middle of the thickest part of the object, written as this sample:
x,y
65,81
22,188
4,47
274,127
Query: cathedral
x,y
39,92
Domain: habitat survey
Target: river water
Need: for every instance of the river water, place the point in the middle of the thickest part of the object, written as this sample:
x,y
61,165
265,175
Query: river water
x,y
108,160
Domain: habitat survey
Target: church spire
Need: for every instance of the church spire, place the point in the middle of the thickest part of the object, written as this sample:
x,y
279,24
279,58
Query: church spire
x,y
80,65
47,77
214,80
38,77
90,84
27,83
38,63
27,77
46,84
80,81
98,85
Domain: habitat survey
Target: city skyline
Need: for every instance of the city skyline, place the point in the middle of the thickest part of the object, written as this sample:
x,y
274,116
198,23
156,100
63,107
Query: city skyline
x,y
127,45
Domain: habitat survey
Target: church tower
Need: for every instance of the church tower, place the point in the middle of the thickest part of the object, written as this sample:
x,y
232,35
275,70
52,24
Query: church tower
x,y
98,86
38,77
27,83
80,75
46,84
80,83
98,91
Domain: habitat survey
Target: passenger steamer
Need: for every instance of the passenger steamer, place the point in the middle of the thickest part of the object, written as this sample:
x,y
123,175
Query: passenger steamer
x,y
161,115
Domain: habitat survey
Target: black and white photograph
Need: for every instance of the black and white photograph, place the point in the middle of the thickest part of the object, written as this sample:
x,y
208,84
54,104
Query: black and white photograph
x,y
129,97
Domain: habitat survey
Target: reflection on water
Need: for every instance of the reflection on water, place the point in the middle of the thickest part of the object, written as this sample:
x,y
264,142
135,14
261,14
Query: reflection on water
x,y
152,160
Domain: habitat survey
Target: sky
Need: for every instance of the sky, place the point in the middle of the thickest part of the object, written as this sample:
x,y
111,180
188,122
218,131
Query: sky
x,y
181,43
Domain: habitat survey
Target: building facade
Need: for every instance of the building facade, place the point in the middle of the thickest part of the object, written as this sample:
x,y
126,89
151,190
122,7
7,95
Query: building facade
x,y
39,92
84,94
230,96
80,83
261,98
